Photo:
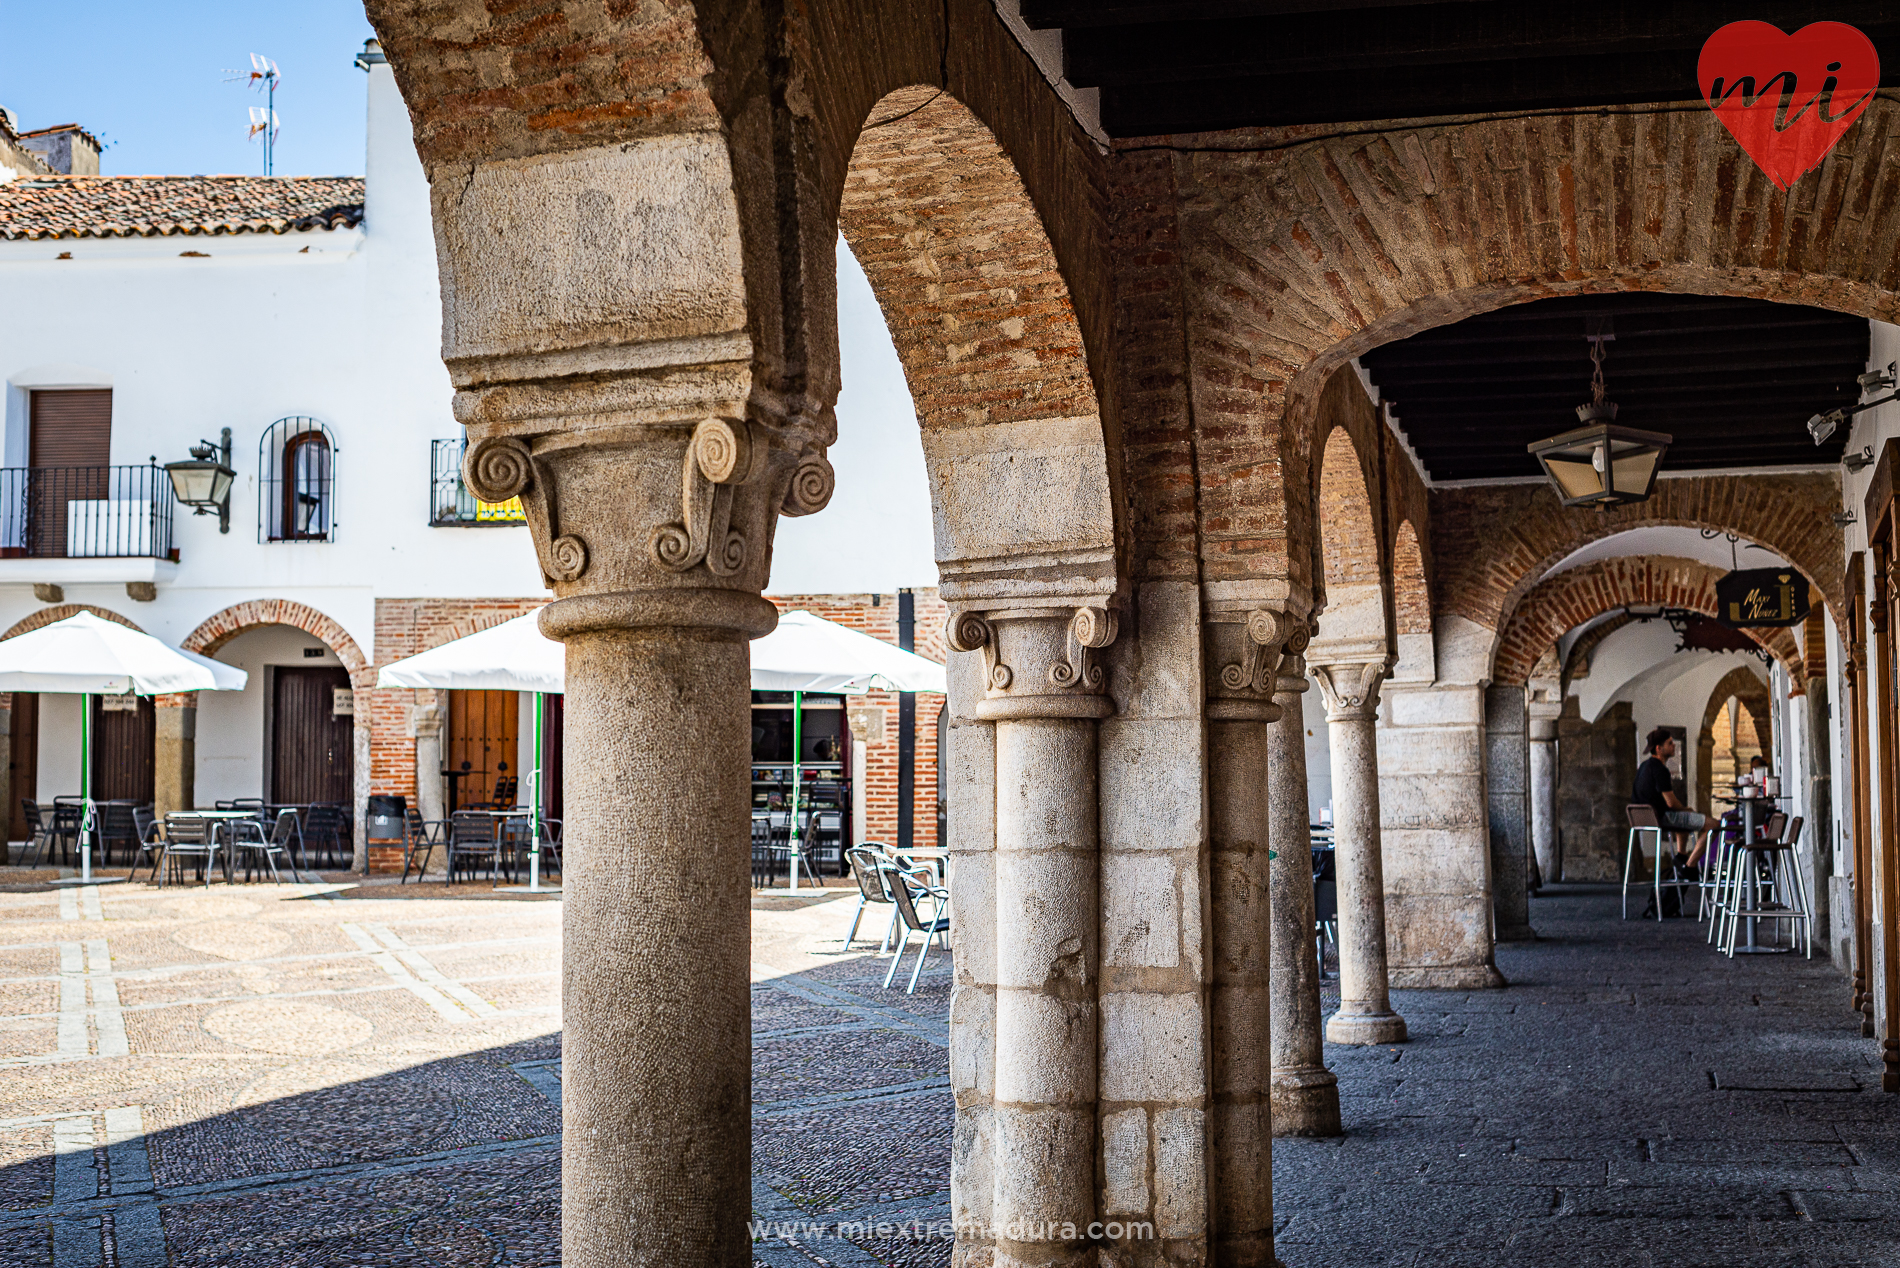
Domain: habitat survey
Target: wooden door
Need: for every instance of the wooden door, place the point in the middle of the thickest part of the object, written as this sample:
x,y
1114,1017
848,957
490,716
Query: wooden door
x,y
69,447
122,740
554,716
483,728
23,773
313,752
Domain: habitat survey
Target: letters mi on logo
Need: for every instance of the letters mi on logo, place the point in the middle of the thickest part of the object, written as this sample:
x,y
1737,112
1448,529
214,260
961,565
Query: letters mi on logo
x,y
1788,99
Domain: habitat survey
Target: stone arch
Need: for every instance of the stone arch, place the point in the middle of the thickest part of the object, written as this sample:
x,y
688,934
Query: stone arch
x,y
1318,252
1353,574
1745,687
1571,598
221,627
983,322
46,616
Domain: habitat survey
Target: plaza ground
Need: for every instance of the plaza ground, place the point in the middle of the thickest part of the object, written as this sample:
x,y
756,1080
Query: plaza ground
x,y
332,1074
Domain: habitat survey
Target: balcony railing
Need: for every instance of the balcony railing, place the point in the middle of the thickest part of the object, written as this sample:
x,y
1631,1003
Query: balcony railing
x,y
85,513
450,502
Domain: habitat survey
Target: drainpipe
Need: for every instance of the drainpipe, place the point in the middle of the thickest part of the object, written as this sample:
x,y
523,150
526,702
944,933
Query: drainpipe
x,y
906,728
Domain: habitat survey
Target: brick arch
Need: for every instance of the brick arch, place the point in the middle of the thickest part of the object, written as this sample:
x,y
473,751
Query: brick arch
x,y
46,616
1411,595
980,312
1744,686
221,627
1525,532
1353,589
1571,598
1314,253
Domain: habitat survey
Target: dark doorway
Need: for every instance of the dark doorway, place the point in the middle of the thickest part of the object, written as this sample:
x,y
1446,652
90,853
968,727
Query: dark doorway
x,y
313,755
483,731
122,739
23,762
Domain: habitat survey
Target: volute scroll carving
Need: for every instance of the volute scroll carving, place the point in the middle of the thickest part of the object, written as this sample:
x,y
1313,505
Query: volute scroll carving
x,y
723,454
1017,644
498,468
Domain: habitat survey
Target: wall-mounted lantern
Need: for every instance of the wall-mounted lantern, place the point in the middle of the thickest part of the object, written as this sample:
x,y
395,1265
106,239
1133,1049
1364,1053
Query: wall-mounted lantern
x,y
1601,464
204,482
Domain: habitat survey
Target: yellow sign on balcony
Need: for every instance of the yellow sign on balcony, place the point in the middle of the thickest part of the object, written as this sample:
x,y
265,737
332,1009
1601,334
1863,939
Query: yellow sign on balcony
x,y
500,512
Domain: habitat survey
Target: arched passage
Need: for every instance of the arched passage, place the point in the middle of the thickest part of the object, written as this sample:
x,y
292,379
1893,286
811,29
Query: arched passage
x,y
1751,694
1573,598
221,627
59,612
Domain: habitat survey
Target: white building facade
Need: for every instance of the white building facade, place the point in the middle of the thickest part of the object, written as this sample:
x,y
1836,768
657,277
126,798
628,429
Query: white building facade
x,y
146,314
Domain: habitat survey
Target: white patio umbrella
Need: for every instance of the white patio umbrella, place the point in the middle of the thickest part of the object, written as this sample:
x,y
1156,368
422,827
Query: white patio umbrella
x,y
87,656
805,653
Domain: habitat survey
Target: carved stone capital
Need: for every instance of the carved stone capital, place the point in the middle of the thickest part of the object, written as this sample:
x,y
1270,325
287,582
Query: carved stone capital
x,y
1351,688
1039,662
1244,649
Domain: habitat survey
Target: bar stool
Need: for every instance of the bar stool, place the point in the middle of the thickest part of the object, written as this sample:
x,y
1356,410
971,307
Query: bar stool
x,y
1642,817
1728,881
1787,901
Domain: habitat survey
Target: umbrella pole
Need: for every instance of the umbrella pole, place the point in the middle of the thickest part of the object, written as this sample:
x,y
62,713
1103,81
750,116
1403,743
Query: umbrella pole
x,y
85,788
798,724
534,805
536,782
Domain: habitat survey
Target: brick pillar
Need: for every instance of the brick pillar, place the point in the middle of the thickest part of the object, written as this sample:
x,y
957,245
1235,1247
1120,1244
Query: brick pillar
x,y
175,753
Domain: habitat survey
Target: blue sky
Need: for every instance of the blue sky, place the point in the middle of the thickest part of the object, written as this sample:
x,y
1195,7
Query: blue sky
x,y
149,79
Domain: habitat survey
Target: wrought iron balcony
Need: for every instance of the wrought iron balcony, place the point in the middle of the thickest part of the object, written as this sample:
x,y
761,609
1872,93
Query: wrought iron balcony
x,y
85,513
450,502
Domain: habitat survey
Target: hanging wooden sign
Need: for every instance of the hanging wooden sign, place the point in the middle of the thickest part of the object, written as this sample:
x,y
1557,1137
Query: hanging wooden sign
x,y
1757,597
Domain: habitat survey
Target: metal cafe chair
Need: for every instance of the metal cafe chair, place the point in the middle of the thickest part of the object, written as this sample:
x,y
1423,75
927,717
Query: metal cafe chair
x,y
42,836
866,870
323,826
189,836
1771,864
419,836
472,836
764,862
151,847
248,836
1325,902
905,886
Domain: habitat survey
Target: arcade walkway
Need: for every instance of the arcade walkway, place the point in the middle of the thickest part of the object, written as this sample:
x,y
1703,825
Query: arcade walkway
x,y
1632,1099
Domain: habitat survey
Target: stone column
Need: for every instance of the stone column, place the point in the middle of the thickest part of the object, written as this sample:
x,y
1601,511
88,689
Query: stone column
x,y
1305,1092
175,752
1543,741
426,715
1044,694
1243,650
1365,1013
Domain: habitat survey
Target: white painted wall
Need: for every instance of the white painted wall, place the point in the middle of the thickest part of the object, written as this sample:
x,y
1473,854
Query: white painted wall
x,y
1627,652
341,325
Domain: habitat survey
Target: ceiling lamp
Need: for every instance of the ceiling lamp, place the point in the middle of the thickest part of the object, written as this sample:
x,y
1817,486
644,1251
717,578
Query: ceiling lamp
x,y
1601,464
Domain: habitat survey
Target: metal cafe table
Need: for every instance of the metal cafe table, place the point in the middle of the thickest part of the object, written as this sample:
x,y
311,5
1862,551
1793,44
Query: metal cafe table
x,y
1752,803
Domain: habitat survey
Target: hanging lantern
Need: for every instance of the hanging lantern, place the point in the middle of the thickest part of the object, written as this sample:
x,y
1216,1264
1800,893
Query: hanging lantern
x,y
1601,464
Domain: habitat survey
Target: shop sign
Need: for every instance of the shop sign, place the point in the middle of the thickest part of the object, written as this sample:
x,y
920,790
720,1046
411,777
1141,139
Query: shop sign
x,y
1758,597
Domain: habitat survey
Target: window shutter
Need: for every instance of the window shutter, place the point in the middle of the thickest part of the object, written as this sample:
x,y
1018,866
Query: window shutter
x,y
71,428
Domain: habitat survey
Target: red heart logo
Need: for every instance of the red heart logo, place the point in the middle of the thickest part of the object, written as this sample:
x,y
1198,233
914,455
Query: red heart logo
x,y
1788,98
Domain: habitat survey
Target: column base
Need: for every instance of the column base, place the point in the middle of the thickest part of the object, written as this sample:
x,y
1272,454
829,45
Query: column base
x,y
1306,1102
1516,933
1365,1029
1451,977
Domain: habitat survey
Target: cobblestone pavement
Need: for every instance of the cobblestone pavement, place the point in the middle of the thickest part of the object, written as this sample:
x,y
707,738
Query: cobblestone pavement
x,y
1632,1099
273,1075
330,1076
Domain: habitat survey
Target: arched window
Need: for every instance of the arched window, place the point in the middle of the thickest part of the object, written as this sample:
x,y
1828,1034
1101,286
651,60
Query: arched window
x,y
296,486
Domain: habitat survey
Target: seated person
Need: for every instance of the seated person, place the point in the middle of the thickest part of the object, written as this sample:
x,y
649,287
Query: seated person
x,y
1656,789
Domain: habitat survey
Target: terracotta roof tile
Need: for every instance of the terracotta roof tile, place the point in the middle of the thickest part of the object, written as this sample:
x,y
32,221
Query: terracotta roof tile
x,y
165,206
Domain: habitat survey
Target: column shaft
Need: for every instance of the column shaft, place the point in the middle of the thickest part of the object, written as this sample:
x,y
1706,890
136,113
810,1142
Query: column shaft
x,y
175,755
656,1155
1365,1013
1046,966
1242,1113
1305,1092
1543,776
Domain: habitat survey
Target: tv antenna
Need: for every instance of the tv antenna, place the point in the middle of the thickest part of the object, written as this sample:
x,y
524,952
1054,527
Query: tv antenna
x,y
263,77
